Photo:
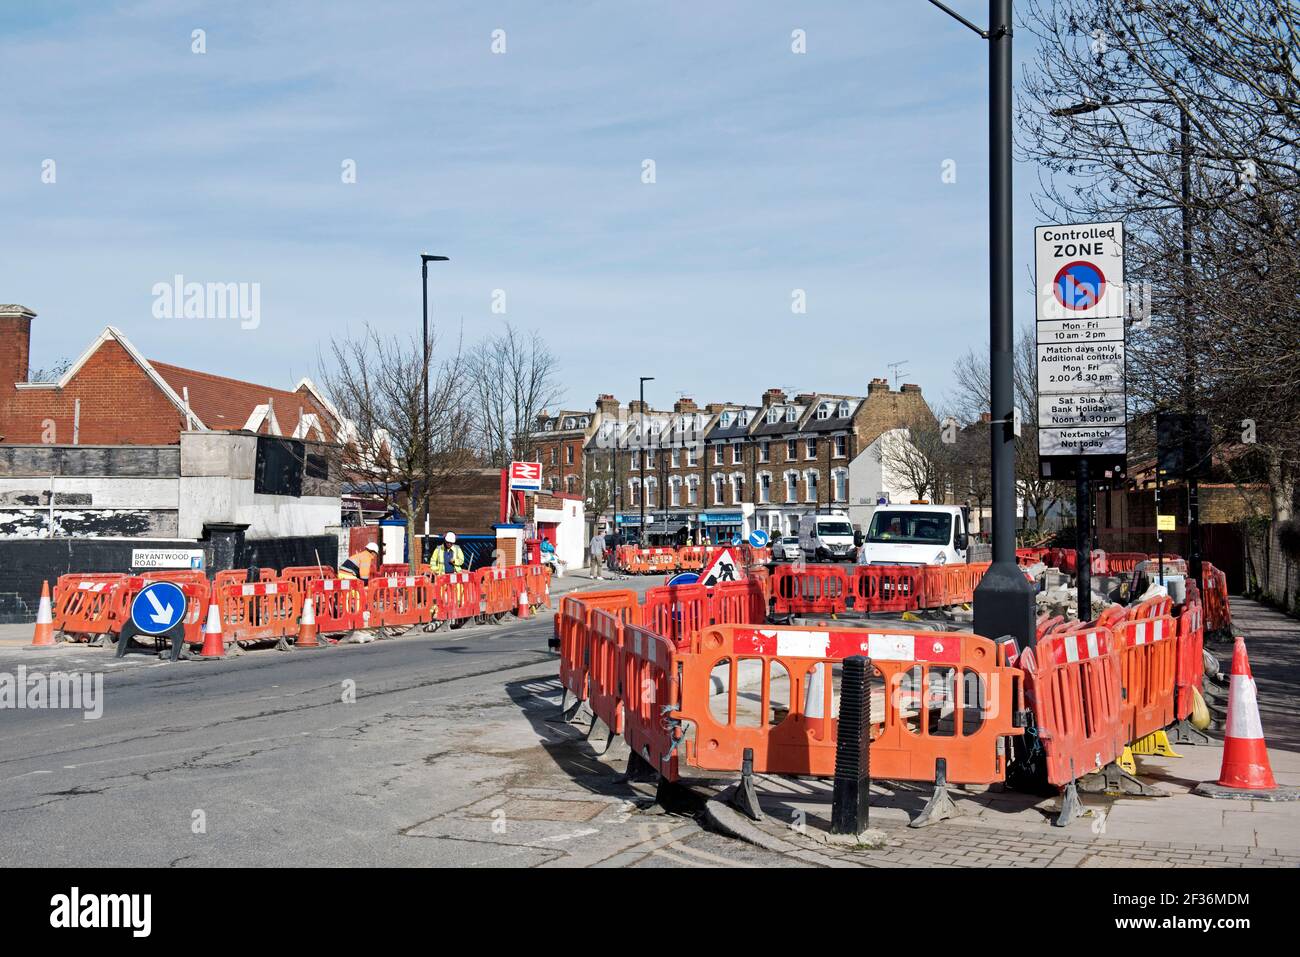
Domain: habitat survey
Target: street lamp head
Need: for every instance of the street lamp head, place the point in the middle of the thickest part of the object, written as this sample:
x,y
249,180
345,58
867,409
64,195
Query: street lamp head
x,y
1078,109
425,257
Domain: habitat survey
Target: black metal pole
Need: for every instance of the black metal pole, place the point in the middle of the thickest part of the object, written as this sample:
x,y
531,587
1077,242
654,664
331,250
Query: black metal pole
x,y
1004,601
1083,539
851,794
641,434
424,408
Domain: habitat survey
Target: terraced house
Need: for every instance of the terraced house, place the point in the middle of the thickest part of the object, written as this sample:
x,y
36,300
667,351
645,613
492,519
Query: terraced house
x,y
714,472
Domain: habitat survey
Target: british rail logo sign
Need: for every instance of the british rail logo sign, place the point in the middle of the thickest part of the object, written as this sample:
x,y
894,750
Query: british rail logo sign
x,y
525,476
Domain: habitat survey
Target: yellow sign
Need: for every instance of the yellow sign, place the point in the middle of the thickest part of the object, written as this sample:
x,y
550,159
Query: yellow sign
x,y
1165,523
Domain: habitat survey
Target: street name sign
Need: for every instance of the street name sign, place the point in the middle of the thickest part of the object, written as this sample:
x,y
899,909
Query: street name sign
x,y
1080,313
167,558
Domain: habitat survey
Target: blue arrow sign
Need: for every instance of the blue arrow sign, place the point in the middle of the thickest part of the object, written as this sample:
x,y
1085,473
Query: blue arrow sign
x,y
758,538
158,607
684,578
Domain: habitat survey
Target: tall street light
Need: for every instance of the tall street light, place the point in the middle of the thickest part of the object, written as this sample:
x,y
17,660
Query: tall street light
x,y
1004,601
1189,433
425,259
641,432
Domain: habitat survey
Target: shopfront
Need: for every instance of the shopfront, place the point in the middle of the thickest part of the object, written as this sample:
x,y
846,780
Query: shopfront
x,y
721,527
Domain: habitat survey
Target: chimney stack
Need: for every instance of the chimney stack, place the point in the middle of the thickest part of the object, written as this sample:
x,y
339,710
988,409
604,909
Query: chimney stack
x,y
685,405
773,397
16,336
878,385
606,404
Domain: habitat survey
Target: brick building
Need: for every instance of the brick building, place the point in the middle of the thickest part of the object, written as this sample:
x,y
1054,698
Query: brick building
x,y
724,469
112,395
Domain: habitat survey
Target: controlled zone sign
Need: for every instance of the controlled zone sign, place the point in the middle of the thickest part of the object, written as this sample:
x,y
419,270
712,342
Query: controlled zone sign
x,y
525,476
1080,313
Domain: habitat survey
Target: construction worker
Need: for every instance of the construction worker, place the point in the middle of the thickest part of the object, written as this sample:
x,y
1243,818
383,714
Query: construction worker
x,y
361,564
447,558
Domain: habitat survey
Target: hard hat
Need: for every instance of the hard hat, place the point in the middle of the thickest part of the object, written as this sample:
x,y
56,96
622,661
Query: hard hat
x,y
450,538
372,547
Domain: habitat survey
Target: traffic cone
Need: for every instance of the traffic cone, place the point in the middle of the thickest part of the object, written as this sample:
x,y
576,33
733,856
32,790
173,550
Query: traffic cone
x,y
307,626
1245,773
214,643
43,636
523,605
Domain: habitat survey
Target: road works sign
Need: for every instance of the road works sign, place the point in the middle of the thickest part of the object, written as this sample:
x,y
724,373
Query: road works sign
x,y
1080,342
525,476
723,568
157,608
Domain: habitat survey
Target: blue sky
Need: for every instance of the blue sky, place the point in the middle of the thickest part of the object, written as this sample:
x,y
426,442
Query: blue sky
x,y
775,171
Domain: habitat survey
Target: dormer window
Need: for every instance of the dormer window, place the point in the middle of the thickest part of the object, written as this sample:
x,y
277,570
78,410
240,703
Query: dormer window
x,y
843,411
725,421
791,414
549,426
584,422
744,418
568,422
773,416
824,411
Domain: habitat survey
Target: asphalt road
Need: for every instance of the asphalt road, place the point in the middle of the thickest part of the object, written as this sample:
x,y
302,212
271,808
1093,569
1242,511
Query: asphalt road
x,y
446,754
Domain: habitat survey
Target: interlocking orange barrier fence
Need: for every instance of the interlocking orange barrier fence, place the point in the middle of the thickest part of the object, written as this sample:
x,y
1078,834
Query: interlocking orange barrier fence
x,y
1148,659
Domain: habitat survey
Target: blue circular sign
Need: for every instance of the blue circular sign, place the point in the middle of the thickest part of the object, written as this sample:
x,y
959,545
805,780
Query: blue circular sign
x,y
758,538
157,607
684,578
735,539
1079,285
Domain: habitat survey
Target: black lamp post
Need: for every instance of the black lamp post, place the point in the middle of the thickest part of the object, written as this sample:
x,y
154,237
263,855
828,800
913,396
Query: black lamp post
x,y
425,259
1004,601
641,433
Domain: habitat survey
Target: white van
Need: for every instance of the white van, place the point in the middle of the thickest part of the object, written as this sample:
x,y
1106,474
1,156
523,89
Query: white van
x,y
826,538
916,535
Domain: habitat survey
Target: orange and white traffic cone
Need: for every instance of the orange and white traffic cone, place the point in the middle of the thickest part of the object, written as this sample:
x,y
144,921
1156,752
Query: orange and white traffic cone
x,y
523,609
1246,773
43,636
214,642
307,626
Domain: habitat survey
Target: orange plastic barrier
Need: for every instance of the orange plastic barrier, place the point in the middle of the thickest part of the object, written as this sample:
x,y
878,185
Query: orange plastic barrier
x,y
737,603
887,588
810,590
498,593
259,611
193,585
537,582
339,604
945,696
299,575
1214,596
1123,563
1073,688
397,601
1148,660
1031,556
677,612
1156,606
85,605
604,647
649,668
946,585
1046,624
625,557
456,597
572,636
691,558
1190,669
660,559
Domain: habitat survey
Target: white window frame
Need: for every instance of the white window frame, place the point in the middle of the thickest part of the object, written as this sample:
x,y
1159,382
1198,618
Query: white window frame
x,y
810,450
693,490
764,451
824,410
737,487
675,459
691,461
840,447
838,476
737,454
764,490
717,455
791,414
791,478
675,492
811,480
843,411
719,484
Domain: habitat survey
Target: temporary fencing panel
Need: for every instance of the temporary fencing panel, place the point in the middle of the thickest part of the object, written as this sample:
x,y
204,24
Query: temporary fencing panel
x,y
1190,670
339,604
399,601
259,611
1214,595
944,696
299,575
1073,688
737,603
1156,606
1031,556
571,631
650,692
810,590
237,576
457,596
1123,563
88,604
498,592
677,612
887,588
1148,658
604,688
690,558
660,559
537,580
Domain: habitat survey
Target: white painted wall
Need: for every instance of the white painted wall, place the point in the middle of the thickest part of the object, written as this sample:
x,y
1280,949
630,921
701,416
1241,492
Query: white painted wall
x,y
570,531
870,477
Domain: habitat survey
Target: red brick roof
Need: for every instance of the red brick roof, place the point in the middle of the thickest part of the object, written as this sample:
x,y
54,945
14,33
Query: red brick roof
x,y
223,403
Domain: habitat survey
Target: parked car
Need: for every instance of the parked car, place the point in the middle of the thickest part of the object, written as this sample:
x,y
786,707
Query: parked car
x,y
786,549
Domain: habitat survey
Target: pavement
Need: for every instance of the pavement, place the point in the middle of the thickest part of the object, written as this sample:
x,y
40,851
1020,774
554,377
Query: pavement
x,y
446,750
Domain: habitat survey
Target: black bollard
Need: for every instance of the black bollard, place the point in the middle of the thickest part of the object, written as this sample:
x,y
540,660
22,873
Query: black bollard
x,y
851,802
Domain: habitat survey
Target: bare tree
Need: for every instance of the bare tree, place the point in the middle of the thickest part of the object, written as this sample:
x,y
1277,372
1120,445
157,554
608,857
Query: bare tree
x,y
970,400
513,376
1182,117
377,384
918,457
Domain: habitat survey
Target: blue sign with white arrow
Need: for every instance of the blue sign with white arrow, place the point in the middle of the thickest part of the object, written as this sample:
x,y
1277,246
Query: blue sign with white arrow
x,y
758,538
158,607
